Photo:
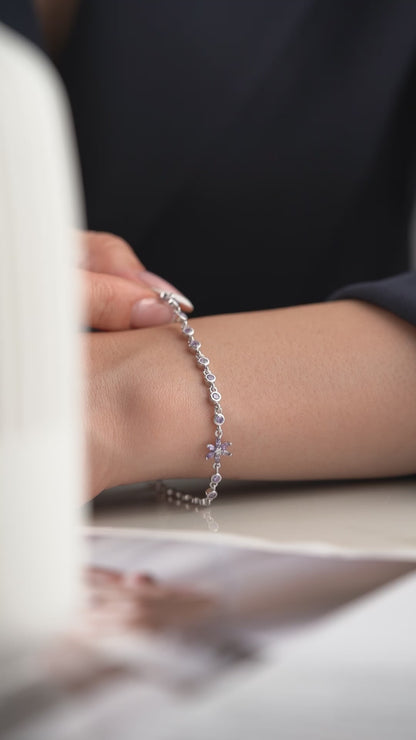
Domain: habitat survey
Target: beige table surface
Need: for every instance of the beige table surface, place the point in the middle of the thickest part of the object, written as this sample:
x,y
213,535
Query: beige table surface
x,y
370,516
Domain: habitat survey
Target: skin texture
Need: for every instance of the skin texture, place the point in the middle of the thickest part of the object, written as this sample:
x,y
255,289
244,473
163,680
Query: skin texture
x,y
321,391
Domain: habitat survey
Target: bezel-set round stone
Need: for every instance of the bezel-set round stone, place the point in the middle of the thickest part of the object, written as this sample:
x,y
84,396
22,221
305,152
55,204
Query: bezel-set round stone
x,y
215,396
211,493
203,360
210,377
194,344
188,331
219,418
216,478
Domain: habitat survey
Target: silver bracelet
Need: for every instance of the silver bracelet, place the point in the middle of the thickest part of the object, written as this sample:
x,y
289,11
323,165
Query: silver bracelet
x,y
219,448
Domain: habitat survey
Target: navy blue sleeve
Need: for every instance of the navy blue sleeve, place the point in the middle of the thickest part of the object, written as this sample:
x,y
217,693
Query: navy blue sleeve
x,y
396,294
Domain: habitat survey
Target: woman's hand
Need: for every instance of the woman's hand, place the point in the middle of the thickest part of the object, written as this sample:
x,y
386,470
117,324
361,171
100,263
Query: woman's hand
x,y
118,291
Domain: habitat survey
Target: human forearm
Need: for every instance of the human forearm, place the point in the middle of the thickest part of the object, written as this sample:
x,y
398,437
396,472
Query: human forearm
x,y
319,391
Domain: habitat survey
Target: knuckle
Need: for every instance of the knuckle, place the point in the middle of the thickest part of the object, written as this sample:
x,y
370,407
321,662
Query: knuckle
x,y
111,242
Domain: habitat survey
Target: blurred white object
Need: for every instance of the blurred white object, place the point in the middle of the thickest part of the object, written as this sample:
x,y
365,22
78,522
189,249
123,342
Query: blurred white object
x,y
40,429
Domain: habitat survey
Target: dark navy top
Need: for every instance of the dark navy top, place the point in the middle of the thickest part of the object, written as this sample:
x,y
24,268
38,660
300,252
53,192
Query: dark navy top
x,y
256,153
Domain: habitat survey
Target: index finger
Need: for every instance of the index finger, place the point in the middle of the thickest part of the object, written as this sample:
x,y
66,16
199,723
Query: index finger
x,y
107,253
111,255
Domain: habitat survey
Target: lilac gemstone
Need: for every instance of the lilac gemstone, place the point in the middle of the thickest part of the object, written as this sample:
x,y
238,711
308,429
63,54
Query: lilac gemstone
x,y
215,451
211,494
182,316
219,418
216,396
188,331
194,344
203,360
217,478
210,377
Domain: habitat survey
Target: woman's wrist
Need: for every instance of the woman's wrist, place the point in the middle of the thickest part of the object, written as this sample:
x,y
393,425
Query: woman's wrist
x,y
175,415
148,411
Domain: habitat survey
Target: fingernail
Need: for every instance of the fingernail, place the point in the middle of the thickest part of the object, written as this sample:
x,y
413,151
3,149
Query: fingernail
x,y
150,312
154,281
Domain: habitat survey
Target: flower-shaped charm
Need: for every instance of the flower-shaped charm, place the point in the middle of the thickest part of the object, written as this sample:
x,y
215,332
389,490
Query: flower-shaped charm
x,y
220,448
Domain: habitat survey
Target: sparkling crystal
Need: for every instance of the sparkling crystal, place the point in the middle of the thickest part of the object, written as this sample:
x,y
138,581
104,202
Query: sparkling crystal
x,y
211,494
194,344
203,360
216,478
215,451
216,396
188,331
219,418
210,377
